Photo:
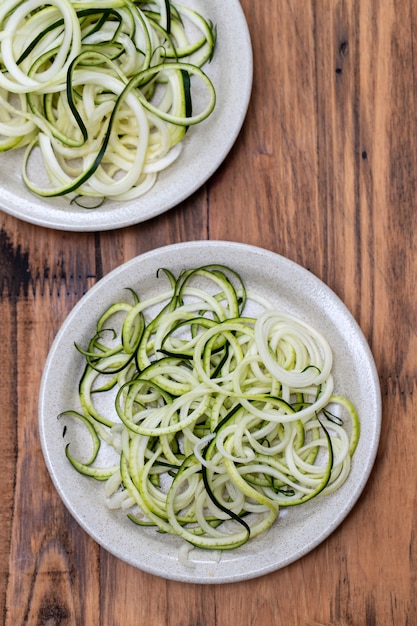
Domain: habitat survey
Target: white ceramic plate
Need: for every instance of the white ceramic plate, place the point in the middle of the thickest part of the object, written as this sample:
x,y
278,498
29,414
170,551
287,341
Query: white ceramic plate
x,y
299,529
204,149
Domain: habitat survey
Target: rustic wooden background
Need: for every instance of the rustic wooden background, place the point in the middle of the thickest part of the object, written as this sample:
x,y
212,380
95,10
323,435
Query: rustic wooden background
x,y
323,172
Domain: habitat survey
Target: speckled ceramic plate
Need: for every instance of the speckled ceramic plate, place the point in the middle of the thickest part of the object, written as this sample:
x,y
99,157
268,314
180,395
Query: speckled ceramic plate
x,y
204,148
298,529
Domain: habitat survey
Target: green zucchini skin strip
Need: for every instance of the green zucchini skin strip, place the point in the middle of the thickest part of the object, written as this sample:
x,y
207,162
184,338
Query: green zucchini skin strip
x,y
92,430
93,472
86,467
212,445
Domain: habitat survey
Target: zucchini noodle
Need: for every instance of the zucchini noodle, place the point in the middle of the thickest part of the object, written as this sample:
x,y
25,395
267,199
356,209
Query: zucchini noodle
x,y
100,93
215,419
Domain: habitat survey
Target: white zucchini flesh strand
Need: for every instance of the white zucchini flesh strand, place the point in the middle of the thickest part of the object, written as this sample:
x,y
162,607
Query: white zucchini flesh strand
x,y
311,353
103,61
212,444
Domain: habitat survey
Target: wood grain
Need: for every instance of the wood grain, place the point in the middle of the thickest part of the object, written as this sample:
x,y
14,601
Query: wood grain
x,y
324,172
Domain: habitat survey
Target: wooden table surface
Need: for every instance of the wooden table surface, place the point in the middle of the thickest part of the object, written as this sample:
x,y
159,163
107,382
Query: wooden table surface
x,y
323,172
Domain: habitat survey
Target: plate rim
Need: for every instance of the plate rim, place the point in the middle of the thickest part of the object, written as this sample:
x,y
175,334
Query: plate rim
x,y
124,214
187,576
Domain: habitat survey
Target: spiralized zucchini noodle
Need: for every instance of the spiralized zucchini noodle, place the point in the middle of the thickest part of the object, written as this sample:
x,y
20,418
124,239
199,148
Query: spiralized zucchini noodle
x,y
100,93
215,418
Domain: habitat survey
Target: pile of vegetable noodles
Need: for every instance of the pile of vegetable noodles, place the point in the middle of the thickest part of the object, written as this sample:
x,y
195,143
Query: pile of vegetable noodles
x,y
100,91
217,419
